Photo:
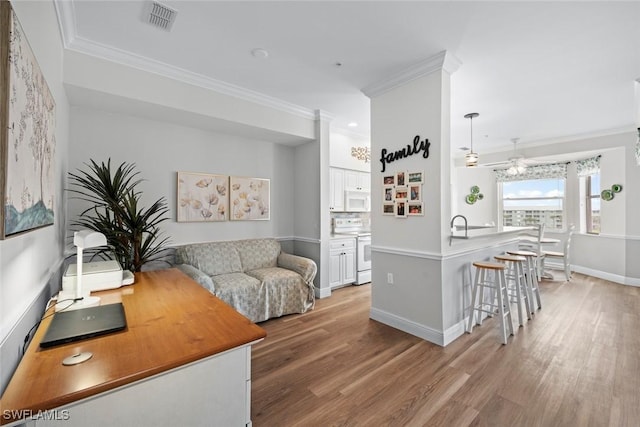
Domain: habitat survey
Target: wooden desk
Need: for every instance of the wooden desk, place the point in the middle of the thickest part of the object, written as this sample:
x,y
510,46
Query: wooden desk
x,y
184,359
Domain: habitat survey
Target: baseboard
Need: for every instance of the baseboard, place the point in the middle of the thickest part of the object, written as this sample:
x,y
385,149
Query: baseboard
x,y
409,326
322,292
454,332
623,280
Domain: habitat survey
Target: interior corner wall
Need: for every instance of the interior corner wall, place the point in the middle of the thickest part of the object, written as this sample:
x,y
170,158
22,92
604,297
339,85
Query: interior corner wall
x,y
160,149
29,262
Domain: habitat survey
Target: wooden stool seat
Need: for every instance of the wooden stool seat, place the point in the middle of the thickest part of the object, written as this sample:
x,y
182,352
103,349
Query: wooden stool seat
x,y
489,265
514,258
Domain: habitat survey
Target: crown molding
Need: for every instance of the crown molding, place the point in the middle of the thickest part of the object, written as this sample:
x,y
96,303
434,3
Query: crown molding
x,y
66,13
67,23
443,61
323,116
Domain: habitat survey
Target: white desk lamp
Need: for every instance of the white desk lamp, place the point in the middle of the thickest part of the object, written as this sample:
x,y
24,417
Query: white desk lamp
x,y
85,239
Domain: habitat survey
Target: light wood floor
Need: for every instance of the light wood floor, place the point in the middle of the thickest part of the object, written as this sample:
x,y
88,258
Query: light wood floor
x,y
577,363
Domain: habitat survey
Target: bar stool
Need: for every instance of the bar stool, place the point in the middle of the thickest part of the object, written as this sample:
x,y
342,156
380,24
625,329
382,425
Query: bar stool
x,y
516,283
498,288
532,276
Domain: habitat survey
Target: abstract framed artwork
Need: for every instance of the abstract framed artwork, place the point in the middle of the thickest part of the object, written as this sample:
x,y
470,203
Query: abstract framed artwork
x,y
202,197
27,136
249,198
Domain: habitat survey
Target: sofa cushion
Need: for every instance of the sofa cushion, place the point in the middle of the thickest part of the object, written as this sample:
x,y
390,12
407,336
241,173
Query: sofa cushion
x,y
213,258
258,253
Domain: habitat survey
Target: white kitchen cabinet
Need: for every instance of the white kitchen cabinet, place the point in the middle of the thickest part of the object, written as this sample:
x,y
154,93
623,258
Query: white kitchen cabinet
x,y
342,262
356,180
336,184
345,179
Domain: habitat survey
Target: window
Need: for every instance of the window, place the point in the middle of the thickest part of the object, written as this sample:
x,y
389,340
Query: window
x,y
592,203
534,201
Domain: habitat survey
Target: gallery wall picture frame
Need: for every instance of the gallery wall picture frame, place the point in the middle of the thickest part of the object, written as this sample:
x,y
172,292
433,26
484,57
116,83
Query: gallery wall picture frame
x,y
401,178
389,179
415,208
415,192
401,208
202,197
415,177
249,198
387,194
27,134
401,193
388,209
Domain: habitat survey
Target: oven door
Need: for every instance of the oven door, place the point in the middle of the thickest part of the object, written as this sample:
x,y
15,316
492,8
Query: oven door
x,y
364,253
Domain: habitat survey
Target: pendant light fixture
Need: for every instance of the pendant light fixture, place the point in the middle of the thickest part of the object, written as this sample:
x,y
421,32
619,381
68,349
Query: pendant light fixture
x,y
471,158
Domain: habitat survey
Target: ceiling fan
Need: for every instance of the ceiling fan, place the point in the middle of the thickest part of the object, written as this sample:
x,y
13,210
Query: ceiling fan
x,y
516,164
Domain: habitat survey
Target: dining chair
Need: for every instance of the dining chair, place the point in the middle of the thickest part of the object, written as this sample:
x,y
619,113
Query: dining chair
x,y
564,256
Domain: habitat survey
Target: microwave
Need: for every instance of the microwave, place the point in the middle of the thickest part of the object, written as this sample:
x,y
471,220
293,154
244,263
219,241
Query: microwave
x,y
357,201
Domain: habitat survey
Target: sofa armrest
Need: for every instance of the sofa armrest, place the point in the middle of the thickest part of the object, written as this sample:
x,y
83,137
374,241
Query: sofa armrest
x,y
305,267
197,275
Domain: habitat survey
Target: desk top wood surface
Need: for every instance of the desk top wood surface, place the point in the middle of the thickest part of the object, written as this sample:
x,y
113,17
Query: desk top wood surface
x,y
171,321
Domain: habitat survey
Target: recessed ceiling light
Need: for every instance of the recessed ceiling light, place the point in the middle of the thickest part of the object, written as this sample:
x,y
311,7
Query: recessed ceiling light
x,y
338,64
353,125
260,53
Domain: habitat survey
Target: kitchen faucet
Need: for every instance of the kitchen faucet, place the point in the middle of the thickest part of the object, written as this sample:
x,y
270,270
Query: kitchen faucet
x,y
465,226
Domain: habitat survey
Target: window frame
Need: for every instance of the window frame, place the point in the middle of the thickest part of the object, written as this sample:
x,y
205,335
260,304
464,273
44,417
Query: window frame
x,y
588,204
563,199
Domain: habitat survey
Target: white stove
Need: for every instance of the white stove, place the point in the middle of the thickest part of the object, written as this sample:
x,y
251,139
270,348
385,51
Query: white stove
x,y
356,227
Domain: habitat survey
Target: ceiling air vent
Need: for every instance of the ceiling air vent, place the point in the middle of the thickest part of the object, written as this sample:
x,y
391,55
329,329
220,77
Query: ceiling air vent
x,y
160,15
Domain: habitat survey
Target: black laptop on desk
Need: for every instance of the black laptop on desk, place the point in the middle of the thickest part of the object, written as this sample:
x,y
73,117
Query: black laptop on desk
x,y
69,326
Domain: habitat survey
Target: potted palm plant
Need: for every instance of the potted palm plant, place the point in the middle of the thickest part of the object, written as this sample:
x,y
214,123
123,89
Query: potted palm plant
x,y
132,232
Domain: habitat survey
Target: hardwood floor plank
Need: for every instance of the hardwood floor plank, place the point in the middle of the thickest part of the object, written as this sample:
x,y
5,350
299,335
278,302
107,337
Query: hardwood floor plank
x,y
575,363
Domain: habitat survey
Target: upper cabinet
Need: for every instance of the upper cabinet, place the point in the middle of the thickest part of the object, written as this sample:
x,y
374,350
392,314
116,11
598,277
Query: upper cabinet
x,y
356,180
336,184
343,180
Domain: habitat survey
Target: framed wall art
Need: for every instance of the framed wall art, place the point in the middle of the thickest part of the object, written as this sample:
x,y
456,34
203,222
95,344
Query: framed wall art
x,y
401,208
415,178
388,209
387,194
202,197
27,136
250,198
415,208
415,192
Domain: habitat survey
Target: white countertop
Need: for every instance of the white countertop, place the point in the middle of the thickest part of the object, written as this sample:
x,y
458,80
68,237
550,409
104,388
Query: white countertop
x,y
481,231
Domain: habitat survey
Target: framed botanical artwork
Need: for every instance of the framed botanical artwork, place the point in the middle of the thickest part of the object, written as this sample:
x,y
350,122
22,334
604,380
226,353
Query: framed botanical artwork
x,y
415,192
415,178
415,208
27,133
401,208
389,179
387,194
401,193
250,198
388,209
202,197
401,179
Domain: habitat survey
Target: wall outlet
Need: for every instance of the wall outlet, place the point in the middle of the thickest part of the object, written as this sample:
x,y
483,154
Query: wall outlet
x,y
389,278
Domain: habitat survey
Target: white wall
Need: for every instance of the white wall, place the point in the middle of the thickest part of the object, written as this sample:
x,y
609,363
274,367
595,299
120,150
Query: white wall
x,y
482,211
161,149
340,151
28,261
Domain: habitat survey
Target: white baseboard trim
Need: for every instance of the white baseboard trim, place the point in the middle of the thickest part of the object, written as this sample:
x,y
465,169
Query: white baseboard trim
x,y
408,326
454,332
623,280
322,292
